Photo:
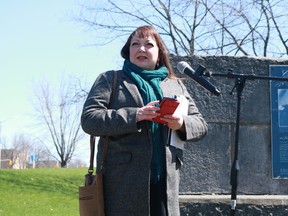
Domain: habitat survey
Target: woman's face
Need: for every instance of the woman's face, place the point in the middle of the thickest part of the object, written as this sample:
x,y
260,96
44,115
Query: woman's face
x,y
144,52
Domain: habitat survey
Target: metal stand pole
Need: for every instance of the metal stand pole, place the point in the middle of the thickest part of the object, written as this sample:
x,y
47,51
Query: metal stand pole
x,y
239,85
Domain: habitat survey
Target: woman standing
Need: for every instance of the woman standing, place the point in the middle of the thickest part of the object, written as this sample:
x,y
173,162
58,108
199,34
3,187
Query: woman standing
x,y
142,169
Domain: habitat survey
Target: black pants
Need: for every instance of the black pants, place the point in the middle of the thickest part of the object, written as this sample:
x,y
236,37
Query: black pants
x,y
158,198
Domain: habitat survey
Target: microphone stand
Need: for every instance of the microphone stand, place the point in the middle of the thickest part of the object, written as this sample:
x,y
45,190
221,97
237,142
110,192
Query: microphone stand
x,y
240,80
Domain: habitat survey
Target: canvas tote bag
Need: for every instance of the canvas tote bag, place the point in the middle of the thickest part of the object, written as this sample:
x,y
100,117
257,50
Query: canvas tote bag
x,y
91,196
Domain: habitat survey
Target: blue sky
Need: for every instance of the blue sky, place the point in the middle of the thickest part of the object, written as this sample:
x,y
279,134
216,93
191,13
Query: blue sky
x,y
40,40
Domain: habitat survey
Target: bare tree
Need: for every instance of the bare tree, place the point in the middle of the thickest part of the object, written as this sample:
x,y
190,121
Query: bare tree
x,y
214,27
60,114
22,147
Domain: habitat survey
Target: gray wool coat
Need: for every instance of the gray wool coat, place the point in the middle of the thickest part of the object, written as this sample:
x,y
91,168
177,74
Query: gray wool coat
x,y
127,167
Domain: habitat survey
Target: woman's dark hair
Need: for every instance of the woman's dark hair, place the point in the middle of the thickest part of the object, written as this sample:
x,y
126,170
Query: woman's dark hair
x,y
163,54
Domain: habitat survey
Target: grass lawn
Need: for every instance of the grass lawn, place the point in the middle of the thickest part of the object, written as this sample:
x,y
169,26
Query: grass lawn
x,y
40,192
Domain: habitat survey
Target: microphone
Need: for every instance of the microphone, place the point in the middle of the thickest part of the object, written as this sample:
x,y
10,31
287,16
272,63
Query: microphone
x,y
184,67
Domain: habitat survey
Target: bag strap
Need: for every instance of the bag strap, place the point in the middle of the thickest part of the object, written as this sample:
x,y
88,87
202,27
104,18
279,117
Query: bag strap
x,y
92,138
92,152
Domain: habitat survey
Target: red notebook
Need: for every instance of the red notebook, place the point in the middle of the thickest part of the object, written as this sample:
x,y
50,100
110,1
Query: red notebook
x,y
167,107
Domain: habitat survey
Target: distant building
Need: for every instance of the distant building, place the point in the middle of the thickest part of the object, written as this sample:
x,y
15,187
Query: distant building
x,y
13,159
10,159
47,163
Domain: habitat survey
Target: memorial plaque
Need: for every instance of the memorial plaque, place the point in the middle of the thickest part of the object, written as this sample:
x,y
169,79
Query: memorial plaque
x,y
279,122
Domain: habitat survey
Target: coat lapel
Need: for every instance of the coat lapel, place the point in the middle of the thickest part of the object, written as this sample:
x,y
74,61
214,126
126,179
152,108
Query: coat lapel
x,y
133,90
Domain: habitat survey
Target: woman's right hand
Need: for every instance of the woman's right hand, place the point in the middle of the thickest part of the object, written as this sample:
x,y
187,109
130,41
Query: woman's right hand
x,y
147,112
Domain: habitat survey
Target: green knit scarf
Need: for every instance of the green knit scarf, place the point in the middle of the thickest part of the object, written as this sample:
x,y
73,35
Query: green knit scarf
x,y
148,83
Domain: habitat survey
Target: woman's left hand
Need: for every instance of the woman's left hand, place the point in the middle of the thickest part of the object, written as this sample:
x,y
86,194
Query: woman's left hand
x,y
174,122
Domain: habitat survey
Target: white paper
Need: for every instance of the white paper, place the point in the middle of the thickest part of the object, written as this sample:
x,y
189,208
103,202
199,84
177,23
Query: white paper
x,y
182,109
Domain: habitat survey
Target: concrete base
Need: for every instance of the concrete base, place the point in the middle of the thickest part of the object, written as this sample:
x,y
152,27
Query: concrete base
x,y
208,205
